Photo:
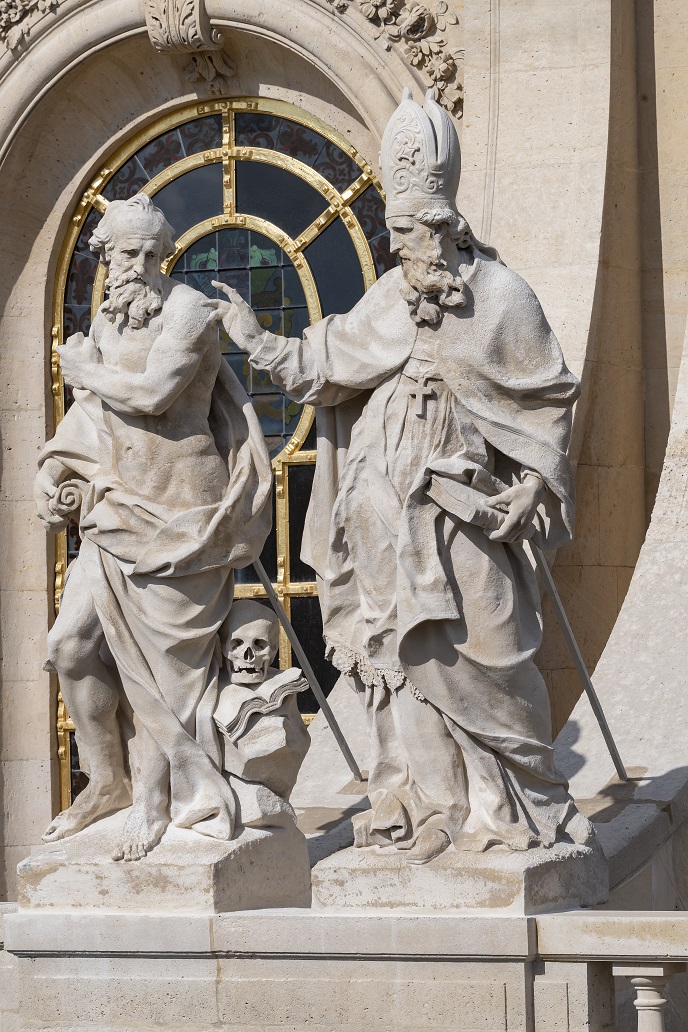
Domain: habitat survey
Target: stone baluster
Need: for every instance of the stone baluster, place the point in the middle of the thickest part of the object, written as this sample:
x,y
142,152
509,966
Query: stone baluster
x,y
649,982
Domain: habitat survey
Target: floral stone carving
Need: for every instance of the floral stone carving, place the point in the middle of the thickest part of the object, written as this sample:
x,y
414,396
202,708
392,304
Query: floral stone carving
x,y
429,35
13,16
183,27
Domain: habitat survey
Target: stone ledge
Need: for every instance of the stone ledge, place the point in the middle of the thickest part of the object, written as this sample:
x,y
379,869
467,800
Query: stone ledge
x,y
527,882
185,873
274,933
613,935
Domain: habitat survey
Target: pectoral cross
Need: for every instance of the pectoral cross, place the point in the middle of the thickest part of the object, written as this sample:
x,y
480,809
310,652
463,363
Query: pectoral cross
x,y
422,391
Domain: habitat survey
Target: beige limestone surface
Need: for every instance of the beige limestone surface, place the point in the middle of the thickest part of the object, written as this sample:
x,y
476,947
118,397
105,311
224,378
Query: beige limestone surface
x,y
530,882
641,681
187,872
89,78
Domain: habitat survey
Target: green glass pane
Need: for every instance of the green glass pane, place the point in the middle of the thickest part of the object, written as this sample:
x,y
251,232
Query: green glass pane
x,y
266,288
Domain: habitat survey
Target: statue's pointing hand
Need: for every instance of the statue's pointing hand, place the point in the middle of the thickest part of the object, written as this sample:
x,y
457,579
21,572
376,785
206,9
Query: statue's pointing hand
x,y
237,318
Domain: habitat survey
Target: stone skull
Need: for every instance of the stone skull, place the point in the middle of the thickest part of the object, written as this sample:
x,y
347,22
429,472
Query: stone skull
x,y
250,639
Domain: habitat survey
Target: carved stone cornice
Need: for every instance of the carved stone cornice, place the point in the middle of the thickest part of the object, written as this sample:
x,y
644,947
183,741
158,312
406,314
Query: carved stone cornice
x,y
14,18
429,36
183,27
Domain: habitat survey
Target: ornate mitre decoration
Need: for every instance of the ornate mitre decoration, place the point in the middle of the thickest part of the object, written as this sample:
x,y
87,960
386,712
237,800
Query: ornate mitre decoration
x,y
420,158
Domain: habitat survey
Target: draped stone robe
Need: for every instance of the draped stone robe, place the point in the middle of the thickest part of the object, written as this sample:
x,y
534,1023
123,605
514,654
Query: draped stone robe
x,y
161,582
435,624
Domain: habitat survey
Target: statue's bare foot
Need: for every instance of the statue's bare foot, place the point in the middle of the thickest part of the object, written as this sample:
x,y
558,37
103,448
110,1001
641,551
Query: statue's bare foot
x,y
90,805
141,832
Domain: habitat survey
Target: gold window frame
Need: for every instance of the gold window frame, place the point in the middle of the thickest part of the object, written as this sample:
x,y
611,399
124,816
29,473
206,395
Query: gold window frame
x,y
336,205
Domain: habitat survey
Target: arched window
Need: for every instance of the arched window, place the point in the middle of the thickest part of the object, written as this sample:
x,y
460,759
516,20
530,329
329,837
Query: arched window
x,y
269,199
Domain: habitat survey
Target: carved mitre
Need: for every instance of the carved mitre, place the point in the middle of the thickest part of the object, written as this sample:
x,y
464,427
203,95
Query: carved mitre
x,y
420,158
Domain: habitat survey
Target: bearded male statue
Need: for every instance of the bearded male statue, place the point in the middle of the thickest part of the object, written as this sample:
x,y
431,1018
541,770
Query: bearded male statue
x,y
163,459
445,379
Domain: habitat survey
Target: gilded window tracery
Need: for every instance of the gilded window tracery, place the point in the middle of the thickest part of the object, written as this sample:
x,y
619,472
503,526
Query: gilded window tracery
x,y
270,200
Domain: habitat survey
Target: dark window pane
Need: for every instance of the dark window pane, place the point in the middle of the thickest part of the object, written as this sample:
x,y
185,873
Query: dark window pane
x,y
299,141
312,439
242,370
87,230
130,180
77,319
292,415
201,255
201,134
277,195
300,484
294,322
254,129
233,245
192,198
79,780
336,167
264,251
369,209
202,281
335,266
270,411
293,290
270,320
164,150
260,382
266,288
307,622
383,258
73,540
82,271
237,278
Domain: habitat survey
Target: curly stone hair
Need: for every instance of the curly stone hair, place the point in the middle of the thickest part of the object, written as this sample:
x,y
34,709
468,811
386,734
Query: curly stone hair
x,y
136,213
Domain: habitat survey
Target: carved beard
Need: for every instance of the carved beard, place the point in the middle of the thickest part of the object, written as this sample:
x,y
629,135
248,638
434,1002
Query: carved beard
x,y
132,296
428,286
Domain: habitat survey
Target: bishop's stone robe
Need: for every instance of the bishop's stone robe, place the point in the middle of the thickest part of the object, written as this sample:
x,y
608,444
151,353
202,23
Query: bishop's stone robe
x,y
437,626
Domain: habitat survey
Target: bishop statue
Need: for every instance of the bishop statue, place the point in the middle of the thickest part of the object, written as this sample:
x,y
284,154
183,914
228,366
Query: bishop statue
x,y
444,412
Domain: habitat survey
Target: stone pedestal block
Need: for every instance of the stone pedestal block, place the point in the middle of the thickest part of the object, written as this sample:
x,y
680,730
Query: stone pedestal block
x,y
531,882
185,872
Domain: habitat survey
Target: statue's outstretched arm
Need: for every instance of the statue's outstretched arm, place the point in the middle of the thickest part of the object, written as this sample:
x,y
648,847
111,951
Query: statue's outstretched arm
x,y
293,364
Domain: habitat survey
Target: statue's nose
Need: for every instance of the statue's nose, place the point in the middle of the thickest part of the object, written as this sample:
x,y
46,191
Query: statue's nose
x,y
249,655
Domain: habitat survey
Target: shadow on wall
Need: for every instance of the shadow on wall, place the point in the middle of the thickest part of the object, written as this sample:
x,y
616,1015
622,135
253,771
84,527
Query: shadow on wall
x,y
657,393
3,812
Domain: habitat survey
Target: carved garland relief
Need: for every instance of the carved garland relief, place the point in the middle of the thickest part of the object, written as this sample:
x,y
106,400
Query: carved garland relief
x,y
13,15
428,35
183,27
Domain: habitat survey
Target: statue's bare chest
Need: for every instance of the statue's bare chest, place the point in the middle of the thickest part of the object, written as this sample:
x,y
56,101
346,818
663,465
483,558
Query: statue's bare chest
x,y
125,348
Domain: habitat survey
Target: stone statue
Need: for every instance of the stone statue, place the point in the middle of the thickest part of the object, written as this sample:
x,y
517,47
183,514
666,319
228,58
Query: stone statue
x,y
444,414
265,739
163,459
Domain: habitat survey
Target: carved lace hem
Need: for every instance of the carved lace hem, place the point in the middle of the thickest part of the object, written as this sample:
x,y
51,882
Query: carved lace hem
x,y
349,662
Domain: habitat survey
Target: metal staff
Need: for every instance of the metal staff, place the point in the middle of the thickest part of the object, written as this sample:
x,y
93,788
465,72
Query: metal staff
x,y
563,622
307,669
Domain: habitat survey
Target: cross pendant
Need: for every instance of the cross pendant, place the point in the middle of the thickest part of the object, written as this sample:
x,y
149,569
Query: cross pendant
x,y
422,392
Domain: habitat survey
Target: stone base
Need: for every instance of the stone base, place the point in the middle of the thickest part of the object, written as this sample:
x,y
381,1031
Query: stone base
x,y
185,872
293,971
530,882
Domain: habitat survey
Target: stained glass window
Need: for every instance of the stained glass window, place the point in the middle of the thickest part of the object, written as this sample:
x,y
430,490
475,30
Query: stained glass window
x,y
264,197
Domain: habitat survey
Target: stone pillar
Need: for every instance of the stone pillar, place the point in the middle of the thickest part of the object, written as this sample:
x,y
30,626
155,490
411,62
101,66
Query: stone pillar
x,y
649,982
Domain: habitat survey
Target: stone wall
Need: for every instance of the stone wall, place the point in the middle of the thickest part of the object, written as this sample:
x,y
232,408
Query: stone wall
x,y
550,179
